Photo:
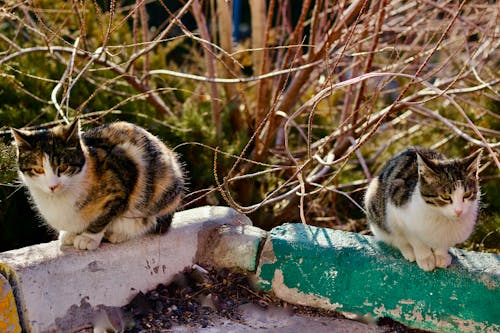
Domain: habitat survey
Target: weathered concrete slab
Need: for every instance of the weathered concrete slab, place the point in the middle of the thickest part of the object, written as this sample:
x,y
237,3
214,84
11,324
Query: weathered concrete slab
x,y
59,288
51,282
353,273
279,320
231,246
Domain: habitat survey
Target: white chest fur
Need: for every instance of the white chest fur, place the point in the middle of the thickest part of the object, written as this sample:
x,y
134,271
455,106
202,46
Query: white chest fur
x,y
59,211
437,227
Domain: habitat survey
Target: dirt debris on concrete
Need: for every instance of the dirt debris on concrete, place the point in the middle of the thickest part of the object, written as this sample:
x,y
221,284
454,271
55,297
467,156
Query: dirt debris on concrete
x,y
221,300
199,299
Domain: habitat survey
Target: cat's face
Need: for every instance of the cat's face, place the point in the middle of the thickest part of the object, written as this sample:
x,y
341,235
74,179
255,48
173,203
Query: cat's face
x,y
452,186
50,159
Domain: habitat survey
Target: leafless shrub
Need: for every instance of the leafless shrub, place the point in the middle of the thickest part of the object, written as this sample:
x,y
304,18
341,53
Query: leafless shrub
x,y
330,97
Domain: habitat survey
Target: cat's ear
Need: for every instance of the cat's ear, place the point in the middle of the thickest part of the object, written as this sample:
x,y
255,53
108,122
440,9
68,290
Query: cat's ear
x,y
471,163
425,165
72,131
22,138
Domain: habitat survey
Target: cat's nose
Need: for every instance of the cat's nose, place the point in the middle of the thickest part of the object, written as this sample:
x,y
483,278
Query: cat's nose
x,y
458,212
54,187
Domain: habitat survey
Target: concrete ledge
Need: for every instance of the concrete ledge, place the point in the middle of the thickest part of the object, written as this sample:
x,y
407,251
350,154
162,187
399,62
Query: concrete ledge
x,y
51,284
232,246
353,273
55,289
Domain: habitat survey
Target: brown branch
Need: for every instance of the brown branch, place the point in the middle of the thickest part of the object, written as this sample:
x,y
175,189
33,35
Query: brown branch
x,y
210,62
135,82
160,37
290,97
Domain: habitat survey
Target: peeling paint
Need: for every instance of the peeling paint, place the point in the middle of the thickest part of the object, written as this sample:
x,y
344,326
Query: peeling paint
x,y
489,282
267,255
381,311
415,315
367,303
472,326
407,301
293,295
331,274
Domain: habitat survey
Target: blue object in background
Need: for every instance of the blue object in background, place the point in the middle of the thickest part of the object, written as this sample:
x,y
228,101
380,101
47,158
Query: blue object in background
x,y
236,19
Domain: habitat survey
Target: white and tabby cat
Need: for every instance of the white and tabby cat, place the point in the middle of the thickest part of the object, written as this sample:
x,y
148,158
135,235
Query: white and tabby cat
x,y
423,204
116,181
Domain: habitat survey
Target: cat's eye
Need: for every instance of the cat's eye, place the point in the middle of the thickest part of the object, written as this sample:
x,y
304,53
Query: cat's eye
x,y
467,195
446,197
39,171
63,167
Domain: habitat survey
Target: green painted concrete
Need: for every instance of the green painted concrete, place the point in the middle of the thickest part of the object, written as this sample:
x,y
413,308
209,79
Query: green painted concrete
x,y
353,273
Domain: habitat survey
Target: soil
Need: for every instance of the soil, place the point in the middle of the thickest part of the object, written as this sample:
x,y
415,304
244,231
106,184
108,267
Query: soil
x,y
198,298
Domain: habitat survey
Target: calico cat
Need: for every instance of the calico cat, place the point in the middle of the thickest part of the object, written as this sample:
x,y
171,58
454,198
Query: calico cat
x,y
423,204
116,181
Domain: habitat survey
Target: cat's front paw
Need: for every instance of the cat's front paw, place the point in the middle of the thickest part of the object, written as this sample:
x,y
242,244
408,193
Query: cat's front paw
x,y
87,241
66,237
408,253
443,260
427,263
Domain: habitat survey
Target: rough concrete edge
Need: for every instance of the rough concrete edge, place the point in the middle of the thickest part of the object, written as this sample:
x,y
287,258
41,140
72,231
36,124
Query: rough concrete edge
x,y
211,217
229,246
8,308
11,277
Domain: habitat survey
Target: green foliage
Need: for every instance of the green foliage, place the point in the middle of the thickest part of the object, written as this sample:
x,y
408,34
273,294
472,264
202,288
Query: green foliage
x,y
8,167
486,236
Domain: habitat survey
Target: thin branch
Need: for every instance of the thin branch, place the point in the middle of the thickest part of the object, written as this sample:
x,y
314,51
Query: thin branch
x,y
135,82
233,80
66,74
210,63
160,37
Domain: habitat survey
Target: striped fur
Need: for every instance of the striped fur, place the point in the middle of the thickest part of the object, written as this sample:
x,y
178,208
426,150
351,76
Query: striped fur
x,y
116,181
424,203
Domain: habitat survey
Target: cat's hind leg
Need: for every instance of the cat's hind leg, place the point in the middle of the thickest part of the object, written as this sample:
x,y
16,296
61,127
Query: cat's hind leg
x,y
395,238
126,228
66,237
116,237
